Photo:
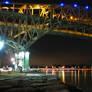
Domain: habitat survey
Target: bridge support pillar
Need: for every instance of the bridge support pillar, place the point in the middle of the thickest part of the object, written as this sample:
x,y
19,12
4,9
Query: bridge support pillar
x,y
22,61
26,61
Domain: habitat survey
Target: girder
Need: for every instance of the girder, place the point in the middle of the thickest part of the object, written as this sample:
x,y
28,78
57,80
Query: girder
x,y
24,29
15,45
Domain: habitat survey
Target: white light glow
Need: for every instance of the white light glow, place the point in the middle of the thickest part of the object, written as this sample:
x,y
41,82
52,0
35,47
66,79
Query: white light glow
x,y
12,59
1,44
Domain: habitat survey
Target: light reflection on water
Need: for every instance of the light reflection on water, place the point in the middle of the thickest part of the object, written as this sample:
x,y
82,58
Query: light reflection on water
x,y
63,77
80,78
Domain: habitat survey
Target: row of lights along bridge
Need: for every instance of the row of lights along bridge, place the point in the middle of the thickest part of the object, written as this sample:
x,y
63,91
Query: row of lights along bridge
x,y
75,6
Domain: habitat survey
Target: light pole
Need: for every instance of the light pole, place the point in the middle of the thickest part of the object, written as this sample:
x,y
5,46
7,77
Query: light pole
x,y
87,8
78,7
62,5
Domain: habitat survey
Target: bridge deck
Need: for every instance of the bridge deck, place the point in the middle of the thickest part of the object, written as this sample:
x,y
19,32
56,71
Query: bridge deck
x,y
18,25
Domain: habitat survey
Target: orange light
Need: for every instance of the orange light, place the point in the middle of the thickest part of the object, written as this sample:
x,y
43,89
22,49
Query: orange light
x,y
63,77
71,17
63,17
76,19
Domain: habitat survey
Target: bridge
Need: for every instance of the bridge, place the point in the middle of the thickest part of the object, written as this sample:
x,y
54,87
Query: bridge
x,y
21,25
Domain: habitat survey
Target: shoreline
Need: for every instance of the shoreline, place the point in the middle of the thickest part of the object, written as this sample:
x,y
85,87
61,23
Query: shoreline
x,y
34,82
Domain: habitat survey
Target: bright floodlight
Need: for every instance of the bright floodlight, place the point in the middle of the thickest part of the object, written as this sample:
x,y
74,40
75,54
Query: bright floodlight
x,y
1,44
87,7
62,4
12,59
6,2
75,5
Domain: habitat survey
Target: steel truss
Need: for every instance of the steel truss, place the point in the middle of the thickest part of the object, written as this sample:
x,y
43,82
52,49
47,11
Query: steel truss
x,y
23,28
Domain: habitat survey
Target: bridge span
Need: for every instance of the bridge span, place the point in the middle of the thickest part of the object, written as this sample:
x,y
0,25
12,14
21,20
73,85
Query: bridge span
x,y
22,25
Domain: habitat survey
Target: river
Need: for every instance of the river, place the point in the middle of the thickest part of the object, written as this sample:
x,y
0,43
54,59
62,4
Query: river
x,y
79,78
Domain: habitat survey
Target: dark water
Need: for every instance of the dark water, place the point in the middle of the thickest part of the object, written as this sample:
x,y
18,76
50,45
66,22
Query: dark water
x,y
80,78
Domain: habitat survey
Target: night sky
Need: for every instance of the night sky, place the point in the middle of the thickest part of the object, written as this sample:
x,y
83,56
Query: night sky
x,y
55,49
82,2
52,49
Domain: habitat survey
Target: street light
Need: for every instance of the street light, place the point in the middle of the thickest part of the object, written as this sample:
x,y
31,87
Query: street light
x,y
6,2
86,7
1,44
75,5
62,4
78,7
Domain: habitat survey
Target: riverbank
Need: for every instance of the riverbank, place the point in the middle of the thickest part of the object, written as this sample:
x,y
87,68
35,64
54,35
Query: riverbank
x,y
33,82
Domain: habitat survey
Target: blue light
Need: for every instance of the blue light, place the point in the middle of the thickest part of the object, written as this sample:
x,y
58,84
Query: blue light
x,y
75,5
87,7
61,4
6,2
